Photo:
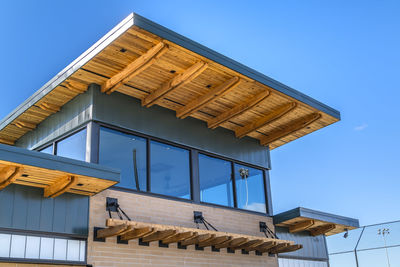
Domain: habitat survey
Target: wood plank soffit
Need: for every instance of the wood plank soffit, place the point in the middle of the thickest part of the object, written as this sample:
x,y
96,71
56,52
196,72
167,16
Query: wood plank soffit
x,y
237,110
9,174
290,128
25,125
135,68
208,98
6,141
323,229
49,107
301,226
60,186
271,117
179,80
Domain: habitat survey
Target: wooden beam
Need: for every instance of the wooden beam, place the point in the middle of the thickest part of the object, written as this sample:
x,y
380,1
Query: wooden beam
x,y
8,175
249,244
323,229
265,247
290,128
290,248
135,68
237,110
232,242
113,231
278,248
74,87
197,239
49,107
6,141
60,186
25,125
208,98
271,117
179,80
158,235
213,241
137,233
301,226
178,237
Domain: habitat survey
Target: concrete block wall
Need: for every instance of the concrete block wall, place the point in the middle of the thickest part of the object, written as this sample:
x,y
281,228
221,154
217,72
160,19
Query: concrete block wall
x,y
145,208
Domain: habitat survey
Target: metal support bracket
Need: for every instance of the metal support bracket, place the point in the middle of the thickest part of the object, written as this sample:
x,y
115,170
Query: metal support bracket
x,y
95,239
162,245
120,241
141,243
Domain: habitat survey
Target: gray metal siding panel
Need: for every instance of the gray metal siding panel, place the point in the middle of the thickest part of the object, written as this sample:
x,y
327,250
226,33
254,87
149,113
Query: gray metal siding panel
x,y
126,112
314,247
26,209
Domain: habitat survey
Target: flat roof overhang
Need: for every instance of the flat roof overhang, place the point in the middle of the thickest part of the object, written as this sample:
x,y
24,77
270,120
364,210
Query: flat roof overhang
x,y
56,175
144,60
316,222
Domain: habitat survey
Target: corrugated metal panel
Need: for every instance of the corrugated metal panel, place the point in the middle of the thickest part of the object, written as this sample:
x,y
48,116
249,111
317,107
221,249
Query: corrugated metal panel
x,y
127,112
300,263
24,208
72,115
314,247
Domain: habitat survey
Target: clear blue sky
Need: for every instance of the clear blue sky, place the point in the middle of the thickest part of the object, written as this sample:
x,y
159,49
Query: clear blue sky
x,y
344,54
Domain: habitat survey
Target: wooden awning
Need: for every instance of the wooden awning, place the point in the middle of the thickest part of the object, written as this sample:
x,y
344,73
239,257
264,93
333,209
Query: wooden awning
x,y
315,222
167,234
144,60
56,175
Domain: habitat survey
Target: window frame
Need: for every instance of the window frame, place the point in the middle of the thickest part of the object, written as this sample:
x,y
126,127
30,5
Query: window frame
x,y
194,171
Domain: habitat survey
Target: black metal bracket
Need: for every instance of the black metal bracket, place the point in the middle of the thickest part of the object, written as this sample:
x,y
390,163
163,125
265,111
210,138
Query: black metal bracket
x,y
141,243
213,248
95,238
162,245
120,241
198,248
258,253
199,218
268,232
181,246
245,251
113,206
229,250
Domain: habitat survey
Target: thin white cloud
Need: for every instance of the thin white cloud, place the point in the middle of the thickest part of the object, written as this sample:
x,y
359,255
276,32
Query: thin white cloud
x,y
361,127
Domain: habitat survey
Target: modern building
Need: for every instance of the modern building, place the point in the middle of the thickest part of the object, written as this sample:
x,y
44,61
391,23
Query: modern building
x,y
152,150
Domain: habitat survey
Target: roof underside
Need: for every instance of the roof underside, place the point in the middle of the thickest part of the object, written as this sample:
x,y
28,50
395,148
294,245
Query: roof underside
x,y
144,60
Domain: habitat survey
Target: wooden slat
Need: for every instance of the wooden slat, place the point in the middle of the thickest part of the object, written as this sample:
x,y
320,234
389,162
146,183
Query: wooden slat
x,y
159,235
25,125
232,242
206,99
197,239
290,128
113,231
137,233
178,237
6,141
290,248
213,241
278,248
49,107
248,245
59,186
8,175
272,116
176,82
135,68
238,110
301,226
265,247
320,230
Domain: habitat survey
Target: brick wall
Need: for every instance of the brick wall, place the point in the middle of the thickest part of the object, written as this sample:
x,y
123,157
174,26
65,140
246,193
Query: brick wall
x,y
162,211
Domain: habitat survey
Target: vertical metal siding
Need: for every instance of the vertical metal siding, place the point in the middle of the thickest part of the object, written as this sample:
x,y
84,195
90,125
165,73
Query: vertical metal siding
x,y
24,208
314,247
300,263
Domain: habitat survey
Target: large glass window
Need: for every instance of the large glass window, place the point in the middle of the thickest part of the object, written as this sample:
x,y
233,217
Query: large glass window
x,y
74,146
47,150
127,153
215,181
170,170
249,188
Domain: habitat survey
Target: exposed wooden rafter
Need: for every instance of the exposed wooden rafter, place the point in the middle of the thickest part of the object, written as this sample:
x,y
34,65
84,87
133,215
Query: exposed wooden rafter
x,y
135,68
179,80
49,107
137,233
197,239
213,241
290,128
232,242
75,87
301,226
178,237
271,117
9,174
237,110
208,98
25,125
266,247
323,229
112,231
159,235
6,141
59,187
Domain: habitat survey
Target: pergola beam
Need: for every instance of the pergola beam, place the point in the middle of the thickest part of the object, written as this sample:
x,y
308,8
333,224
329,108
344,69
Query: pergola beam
x,y
208,98
8,175
323,229
137,233
135,68
179,80
301,226
237,110
271,117
60,186
290,128
6,141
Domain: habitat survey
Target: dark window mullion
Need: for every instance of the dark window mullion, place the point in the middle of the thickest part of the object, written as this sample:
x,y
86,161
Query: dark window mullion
x,y
148,164
234,185
195,180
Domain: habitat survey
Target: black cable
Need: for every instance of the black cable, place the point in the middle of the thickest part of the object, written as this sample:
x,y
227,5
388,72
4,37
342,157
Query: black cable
x,y
204,221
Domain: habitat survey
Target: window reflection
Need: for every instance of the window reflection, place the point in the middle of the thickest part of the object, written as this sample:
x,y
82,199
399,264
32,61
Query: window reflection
x,y
170,170
73,147
249,188
48,150
215,181
127,153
